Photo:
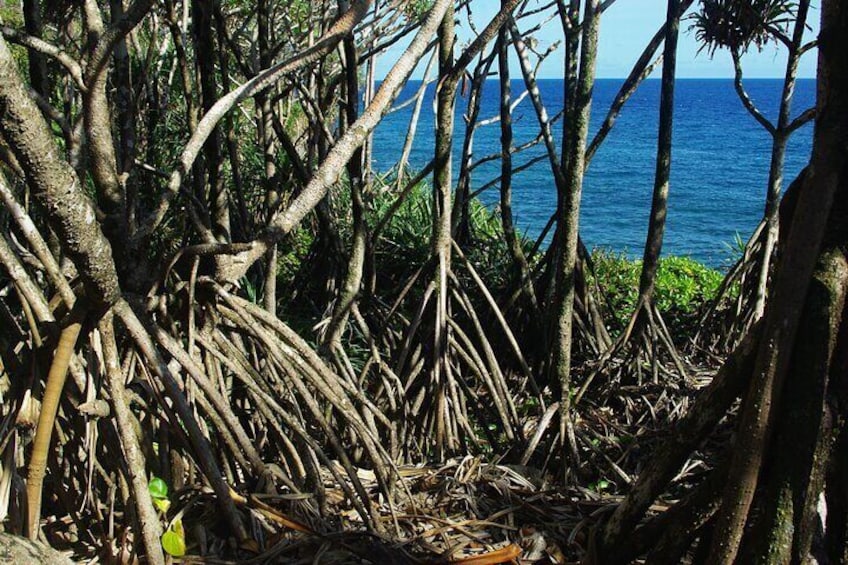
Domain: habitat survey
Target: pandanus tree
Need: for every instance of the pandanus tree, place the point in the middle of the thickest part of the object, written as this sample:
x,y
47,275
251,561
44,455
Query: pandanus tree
x,y
533,294
98,225
646,333
439,358
758,504
739,26
152,273
182,181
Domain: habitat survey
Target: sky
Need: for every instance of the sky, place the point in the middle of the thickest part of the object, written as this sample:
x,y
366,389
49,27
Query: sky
x,y
626,27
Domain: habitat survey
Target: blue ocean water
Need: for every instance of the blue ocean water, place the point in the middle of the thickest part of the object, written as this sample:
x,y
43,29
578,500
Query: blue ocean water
x,y
719,169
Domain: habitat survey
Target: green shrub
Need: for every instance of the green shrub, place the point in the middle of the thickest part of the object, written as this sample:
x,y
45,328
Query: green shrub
x,y
683,285
406,242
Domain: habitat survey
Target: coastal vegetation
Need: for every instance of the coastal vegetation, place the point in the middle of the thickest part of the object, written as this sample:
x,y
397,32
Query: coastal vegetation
x,y
227,336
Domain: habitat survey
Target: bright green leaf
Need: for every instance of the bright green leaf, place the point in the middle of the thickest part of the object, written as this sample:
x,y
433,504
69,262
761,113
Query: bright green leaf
x,y
162,504
173,541
157,488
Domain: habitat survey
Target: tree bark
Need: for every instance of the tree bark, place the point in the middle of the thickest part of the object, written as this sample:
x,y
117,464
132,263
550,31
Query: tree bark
x,y
568,214
659,204
792,281
790,492
55,184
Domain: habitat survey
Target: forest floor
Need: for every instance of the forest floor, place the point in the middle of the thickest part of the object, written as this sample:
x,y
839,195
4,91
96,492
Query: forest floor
x,y
474,510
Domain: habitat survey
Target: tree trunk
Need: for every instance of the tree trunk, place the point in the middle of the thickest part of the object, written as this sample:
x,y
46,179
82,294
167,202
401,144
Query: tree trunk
x,y
788,499
780,139
825,179
442,191
55,185
521,267
659,205
569,215
349,289
218,196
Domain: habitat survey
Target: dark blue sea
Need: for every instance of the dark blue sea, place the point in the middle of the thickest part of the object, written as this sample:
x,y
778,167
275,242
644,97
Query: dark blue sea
x,y
719,172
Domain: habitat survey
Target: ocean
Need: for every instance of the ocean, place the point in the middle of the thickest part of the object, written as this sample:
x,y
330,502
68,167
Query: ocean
x,y
719,172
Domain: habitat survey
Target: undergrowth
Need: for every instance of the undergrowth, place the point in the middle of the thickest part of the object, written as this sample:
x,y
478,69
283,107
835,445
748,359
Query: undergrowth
x,y
683,285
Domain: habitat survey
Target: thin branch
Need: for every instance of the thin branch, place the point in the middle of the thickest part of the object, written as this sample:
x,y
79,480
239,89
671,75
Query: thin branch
x,y
327,44
743,95
805,117
40,46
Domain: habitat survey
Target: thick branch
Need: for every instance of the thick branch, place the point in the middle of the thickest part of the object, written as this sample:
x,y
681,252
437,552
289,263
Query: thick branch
x,y
55,184
328,173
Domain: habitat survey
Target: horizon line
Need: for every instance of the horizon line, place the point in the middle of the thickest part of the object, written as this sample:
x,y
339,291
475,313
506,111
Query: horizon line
x,y
652,78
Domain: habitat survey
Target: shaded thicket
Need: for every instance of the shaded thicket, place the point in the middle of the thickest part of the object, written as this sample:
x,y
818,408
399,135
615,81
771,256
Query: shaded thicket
x,y
194,233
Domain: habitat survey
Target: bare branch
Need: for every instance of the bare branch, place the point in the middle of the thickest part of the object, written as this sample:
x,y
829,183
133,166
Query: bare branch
x,y
40,46
804,118
743,95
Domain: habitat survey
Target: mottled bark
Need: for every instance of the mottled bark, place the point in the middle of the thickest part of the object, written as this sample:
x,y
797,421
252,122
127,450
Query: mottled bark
x,y
568,214
14,549
792,281
792,484
659,204
55,184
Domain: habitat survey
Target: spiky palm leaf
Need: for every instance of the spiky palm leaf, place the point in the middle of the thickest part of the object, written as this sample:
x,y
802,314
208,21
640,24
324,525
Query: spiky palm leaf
x,y
739,24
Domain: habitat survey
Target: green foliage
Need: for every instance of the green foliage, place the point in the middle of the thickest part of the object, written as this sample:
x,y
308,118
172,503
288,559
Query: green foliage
x,y
11,14
618,276
415,9
407,239
173,540
738,24
157,488
159,493
682,285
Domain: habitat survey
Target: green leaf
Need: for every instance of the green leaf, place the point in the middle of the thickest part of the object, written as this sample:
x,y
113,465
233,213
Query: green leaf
x,y
173,541
157,488
162,504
